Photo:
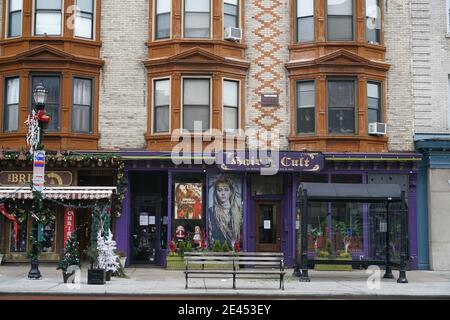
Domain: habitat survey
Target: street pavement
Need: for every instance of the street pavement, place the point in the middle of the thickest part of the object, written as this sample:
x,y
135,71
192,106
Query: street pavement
x,y
159,283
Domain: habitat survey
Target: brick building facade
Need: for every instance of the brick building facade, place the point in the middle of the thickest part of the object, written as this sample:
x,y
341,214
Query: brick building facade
x,y
146,46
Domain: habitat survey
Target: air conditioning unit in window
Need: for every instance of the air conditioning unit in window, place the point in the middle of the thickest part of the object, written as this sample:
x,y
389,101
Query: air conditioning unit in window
x,y
377,129
233,34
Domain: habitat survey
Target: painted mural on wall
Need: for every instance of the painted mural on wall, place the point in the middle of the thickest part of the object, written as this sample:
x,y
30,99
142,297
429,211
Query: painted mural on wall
x,y
188,201
224,217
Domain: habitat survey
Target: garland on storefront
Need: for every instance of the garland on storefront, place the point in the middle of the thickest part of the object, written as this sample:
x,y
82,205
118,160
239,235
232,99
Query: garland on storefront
x,y
70,158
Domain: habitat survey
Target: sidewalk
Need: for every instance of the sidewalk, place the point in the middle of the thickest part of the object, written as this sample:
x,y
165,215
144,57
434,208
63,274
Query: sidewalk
x,y
160,283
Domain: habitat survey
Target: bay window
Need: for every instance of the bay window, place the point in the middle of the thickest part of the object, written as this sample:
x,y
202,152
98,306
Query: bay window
x,y
341,106
374,102
306,102
196,103
162,19
161,105
53,105
11,109
230,97
82,105
340,20
14,18
48,17
231,13
84,21
373,21
305,20
197,19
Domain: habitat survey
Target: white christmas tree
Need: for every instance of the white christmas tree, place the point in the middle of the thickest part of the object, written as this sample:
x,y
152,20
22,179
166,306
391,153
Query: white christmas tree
x,y
107,259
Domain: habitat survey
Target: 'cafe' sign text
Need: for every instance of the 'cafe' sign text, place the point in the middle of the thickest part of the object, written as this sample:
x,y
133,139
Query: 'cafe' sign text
x,y
282,161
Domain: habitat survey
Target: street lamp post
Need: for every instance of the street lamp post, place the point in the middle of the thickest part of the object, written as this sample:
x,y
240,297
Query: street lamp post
x,y
40,97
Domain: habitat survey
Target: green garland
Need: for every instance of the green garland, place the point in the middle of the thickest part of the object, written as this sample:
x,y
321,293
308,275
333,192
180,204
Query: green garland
x,y
74,158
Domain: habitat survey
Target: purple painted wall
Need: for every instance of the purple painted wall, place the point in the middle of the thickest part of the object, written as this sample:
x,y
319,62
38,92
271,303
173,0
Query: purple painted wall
x,y
288,204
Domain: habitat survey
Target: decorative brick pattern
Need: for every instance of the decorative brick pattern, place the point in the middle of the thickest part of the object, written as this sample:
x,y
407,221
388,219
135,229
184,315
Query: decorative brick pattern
x,y
267,33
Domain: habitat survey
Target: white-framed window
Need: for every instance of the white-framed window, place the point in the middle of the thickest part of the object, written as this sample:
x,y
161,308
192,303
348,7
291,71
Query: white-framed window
x,y
162,19
82,109
448,16
448,102
340,20
196,103
11,104
373,21
231,13
161,105
231,105
47,17
84,20
14,27
305,20
197,19
306,107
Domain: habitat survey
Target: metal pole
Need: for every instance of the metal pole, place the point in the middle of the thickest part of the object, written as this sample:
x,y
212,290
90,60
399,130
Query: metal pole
x,y
34,273
388,274
403,243
304,237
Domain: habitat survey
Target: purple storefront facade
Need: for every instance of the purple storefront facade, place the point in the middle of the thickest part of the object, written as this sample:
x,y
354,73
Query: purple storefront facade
x,y
147,224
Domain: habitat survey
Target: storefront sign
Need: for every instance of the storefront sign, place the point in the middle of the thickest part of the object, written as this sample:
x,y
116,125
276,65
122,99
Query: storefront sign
x,y
282,161
39,171
69,224
52,178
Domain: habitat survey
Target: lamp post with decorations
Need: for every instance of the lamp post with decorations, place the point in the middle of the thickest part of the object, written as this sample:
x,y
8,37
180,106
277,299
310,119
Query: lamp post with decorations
x,y
37,122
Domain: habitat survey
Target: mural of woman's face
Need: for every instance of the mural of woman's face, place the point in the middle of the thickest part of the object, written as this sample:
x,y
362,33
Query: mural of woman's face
x,y
223,192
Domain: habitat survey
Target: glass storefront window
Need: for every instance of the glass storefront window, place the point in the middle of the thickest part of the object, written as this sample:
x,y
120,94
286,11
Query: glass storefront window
x,y
47,236
267,185
347,227
19,244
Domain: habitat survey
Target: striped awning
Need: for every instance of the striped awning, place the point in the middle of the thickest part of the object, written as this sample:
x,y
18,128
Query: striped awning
x,y
61,193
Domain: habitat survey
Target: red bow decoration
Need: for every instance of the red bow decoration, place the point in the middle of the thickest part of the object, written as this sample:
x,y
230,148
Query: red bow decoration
x,y
12,219
43,117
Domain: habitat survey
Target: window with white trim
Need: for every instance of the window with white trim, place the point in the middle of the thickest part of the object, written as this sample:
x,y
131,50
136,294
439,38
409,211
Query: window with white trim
x,y
162,19
230,98
231,13
84,21
14,18
47,17
161,105
196,103
11,109
305,20
197,18
448,16
340,20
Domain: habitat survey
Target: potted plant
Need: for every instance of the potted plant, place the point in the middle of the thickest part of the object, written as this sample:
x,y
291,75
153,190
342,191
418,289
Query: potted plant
x,y
70,258
327,254
95,275
107,259
175,258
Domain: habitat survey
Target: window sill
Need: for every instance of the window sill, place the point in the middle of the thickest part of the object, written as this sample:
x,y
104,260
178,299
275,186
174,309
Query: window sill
x,y
448,35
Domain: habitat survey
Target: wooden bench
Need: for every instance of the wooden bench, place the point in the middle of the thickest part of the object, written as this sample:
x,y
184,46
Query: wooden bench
x,y
243,265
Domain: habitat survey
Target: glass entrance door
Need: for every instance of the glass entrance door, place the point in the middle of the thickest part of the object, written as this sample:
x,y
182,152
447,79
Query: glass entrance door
x,y
268,227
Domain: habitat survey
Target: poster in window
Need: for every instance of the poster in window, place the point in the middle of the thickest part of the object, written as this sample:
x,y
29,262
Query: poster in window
x,y
225,210
188,201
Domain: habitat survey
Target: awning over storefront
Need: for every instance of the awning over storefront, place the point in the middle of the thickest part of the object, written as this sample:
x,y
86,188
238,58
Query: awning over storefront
x,y
352,192
66,193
